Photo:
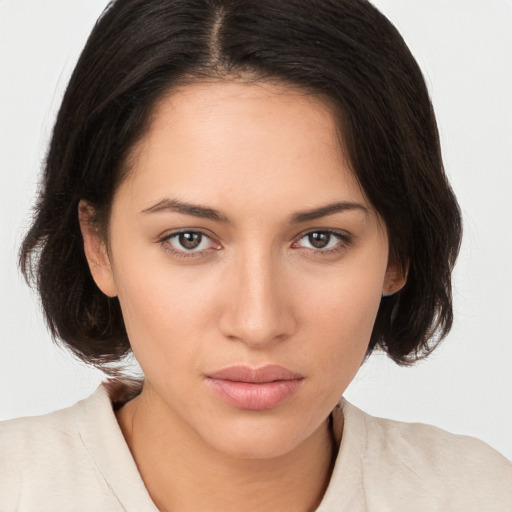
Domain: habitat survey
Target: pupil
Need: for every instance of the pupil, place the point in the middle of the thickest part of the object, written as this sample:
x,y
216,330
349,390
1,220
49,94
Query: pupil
x,y
319,240
190,240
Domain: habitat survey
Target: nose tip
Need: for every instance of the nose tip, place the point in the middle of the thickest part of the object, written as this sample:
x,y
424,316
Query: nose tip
x,y
258,311
256,324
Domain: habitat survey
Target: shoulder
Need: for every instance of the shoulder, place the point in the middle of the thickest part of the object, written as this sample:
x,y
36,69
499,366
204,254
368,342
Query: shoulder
x,y
414,460
40,434
32,438
42,455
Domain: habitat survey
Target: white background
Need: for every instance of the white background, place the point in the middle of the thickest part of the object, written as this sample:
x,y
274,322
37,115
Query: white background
x,y
465,50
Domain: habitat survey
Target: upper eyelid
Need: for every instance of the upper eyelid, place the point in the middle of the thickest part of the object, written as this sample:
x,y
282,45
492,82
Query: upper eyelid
x,y
339,232
169,234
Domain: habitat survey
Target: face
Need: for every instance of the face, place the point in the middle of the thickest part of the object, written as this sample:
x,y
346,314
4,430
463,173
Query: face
x,y
248,263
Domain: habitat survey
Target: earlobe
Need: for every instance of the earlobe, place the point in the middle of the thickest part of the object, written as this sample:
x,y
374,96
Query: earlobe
x,y
95,249
396,277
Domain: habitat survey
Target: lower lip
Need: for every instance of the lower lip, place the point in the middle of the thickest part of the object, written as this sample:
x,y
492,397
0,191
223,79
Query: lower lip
x,y
255,396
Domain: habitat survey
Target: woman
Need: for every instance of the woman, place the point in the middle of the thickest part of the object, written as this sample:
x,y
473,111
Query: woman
x,y
250,196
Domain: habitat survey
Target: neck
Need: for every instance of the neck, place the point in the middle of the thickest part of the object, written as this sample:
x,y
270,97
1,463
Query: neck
x,y
181,472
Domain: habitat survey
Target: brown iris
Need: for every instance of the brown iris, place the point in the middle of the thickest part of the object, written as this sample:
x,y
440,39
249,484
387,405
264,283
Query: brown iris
x,y
319,239
190,240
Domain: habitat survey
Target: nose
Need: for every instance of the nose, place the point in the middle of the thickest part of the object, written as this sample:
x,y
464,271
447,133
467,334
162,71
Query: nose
x,y
259,308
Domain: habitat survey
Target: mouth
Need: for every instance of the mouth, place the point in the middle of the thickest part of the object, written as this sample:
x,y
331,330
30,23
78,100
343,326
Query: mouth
x,y
255,389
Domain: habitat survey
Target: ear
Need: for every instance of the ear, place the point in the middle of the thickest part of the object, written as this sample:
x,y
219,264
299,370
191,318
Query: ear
x,y
95,249
396,277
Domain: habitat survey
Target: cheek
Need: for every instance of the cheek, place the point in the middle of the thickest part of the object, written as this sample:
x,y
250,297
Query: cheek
x,y
164,326
162,308
346,299
341,315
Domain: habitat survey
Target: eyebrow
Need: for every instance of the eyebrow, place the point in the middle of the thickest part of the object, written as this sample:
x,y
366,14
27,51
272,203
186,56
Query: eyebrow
x,y
209,213
194,210
324,211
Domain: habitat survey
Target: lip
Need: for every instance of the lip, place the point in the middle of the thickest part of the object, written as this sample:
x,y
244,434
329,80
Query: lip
x,y
255,389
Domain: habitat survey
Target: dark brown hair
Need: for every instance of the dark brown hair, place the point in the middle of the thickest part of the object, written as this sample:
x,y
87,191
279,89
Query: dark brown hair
x,y
342,50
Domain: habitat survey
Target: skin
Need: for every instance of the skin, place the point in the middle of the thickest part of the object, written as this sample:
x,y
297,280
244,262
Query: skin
x,y
254,292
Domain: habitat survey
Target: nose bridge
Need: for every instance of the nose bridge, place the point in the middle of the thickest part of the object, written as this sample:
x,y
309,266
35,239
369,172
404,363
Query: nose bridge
x,y
257,312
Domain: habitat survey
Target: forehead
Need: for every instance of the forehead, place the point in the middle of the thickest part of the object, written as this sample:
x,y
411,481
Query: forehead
x,y
210,141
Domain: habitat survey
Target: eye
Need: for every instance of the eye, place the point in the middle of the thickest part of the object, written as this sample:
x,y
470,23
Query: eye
x,y
322,240
189,242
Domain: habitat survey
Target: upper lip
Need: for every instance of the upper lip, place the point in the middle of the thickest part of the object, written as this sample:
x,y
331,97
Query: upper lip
x,y
242,373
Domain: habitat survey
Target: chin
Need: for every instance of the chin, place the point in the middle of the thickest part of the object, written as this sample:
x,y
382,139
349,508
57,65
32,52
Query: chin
x,y
254,438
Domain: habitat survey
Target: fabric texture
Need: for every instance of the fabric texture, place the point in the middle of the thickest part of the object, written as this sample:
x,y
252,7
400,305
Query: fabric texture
x,y
77,459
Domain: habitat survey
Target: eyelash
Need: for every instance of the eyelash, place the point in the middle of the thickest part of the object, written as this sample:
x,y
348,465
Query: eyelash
x,y
165,242
344,240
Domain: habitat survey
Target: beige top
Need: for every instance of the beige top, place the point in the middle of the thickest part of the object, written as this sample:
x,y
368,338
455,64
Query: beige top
x,y
77,459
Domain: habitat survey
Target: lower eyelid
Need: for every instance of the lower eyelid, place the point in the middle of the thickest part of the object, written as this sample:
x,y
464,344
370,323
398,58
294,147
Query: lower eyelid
x,y
165,242
186,254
